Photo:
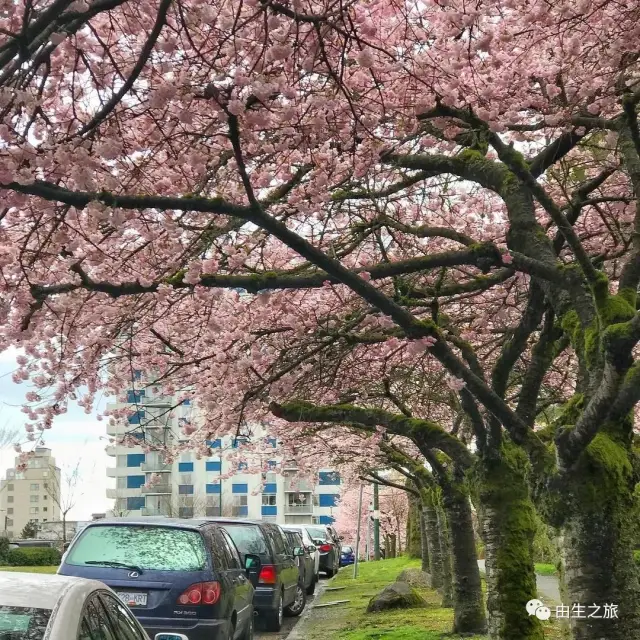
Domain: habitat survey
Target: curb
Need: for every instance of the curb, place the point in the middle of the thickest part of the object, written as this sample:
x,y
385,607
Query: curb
x,y
297,633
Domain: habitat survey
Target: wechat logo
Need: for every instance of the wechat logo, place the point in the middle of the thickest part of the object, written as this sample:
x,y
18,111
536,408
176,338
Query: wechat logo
x,y
536,608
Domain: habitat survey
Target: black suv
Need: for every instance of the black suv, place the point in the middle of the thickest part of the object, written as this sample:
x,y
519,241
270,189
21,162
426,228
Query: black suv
x,y
328,543
275,577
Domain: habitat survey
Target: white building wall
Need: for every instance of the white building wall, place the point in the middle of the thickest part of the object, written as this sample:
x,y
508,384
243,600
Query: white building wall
x,y
167,497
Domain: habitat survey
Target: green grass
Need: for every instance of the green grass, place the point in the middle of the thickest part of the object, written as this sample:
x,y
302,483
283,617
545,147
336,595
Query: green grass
x,y
31,569
546,569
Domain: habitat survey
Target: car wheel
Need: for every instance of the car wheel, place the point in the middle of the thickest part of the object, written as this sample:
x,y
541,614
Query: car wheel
x,y
311,589
297,606
330,573
273,618
248,632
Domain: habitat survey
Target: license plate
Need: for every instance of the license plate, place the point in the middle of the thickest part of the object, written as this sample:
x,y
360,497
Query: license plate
x,y
133,599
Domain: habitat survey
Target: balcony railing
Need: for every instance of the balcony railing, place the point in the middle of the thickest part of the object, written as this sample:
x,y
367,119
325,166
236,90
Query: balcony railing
x,y
157,488
155,466
298,508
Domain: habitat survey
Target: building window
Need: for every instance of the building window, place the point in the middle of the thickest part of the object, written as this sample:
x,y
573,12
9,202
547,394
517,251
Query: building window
x,y
328,478
45,508
242,466
135,482
213,488
45,474
185,467
268,501
34,510
213,465
272,442
9,487
121,482
135,459
45,496
185,489
187,456
9,498
240,507
270,487
135,396
239,488
326,520
10,510
269,510
214,444
186,402
133,504
328,499
35,498
186,478
238,441
185,512
34,487
9,522
137,417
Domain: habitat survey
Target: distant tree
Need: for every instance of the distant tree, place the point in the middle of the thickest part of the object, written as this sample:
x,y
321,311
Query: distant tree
x,y
62,486
29,531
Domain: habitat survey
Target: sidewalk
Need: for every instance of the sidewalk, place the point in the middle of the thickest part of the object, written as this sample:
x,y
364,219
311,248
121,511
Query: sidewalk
x,y
548,586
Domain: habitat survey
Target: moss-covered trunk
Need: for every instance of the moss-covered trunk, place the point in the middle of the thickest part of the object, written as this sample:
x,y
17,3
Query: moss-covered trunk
x,y
509,528
445,550
598,537
468,605
424,547
414,540
433,541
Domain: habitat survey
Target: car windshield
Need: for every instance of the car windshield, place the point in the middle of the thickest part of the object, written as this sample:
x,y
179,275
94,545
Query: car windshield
x,y
248,538
23,623
347,549
318,532
139,547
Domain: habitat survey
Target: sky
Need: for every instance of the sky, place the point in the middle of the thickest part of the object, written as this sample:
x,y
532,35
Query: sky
x,y
75,436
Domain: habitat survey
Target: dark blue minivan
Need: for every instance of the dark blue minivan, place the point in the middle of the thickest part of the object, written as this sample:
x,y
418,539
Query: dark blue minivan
x,y
180,576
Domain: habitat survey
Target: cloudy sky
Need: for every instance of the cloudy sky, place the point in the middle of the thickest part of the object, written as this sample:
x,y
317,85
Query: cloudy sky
x,y
75,436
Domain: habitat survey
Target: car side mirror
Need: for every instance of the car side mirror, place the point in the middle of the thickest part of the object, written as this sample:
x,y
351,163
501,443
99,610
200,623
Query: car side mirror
x,y
298,551
251,563
170,636
311,548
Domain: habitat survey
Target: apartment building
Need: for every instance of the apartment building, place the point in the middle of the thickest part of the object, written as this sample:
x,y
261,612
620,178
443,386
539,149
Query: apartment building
x,y
30,495
198,488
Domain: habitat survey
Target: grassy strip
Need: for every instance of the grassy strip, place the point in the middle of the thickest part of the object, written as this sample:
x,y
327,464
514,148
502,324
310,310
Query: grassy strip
x,y
546,569
31,569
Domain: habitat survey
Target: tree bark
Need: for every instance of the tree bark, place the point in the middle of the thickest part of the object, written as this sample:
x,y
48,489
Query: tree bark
x,y
445,550
413,529
468,603
433,543
598,542
509,528
424,548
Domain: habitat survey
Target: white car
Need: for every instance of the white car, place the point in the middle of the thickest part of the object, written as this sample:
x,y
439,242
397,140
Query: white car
x,y
35,606
308,542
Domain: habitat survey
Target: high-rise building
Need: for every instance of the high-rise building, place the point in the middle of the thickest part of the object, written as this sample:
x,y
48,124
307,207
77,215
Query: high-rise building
x,y
197,488
30,495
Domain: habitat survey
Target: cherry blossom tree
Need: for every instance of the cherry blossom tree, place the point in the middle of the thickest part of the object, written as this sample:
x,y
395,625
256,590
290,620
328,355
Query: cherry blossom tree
x,y
240,198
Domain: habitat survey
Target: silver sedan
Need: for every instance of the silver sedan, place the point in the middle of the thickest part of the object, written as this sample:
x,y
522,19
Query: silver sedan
x,y
50,607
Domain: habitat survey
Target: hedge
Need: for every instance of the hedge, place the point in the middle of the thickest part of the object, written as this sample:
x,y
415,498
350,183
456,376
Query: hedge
x,y
33,557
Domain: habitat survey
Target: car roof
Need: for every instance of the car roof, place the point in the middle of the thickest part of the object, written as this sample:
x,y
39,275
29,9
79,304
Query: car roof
x,y
156,521
239,521
41,590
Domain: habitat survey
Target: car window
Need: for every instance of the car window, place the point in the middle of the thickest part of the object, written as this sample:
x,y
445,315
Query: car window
x,y
139,546
278,541
23,623
233,558
347,549
318,532
95,624
121,620
248,538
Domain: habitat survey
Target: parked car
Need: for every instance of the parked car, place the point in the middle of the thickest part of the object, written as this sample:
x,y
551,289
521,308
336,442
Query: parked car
x,y
310,547
177,576
328,546
305,561
275,576
36,605
347,556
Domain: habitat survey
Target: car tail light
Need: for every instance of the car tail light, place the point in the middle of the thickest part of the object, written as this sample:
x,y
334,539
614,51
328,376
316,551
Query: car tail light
x,y
325,548
201,593
267,574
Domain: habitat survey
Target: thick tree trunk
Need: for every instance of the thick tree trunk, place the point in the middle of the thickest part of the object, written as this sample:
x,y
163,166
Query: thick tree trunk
x,y
468,604
414,544
445,549
433,543
424,548
509,528
598,535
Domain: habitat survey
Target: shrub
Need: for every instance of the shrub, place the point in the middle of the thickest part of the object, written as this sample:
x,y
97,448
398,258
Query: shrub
x,y
636,556
33,557
4,549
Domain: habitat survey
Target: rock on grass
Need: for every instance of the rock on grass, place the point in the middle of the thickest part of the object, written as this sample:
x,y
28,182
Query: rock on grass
x,y
398,595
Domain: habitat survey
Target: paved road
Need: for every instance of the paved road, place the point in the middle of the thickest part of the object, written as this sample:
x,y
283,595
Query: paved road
x,y
290,623
548,586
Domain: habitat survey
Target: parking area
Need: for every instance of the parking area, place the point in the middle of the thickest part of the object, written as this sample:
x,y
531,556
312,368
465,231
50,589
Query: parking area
x,y
290,623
